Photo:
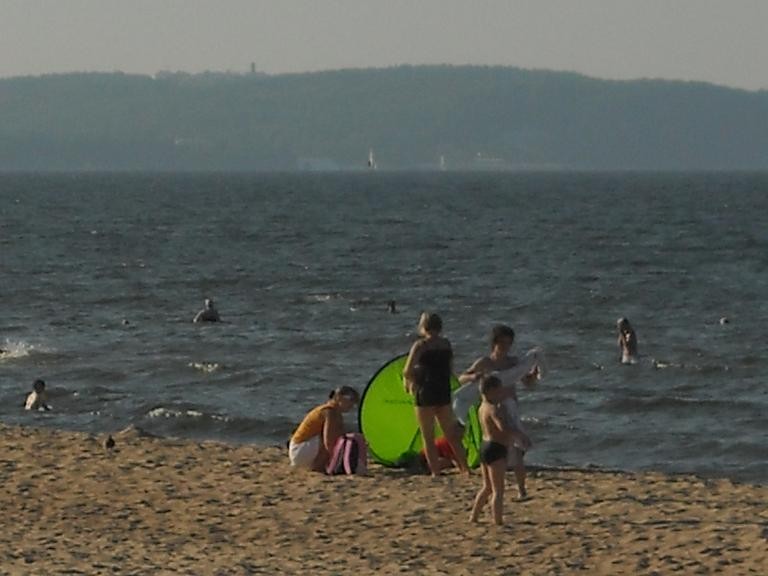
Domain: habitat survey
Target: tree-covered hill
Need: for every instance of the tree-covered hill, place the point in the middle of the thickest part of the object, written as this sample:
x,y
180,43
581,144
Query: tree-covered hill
x,y
475,117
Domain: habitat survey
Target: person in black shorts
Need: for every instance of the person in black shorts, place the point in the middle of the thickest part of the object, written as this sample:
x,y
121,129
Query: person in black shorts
x,y
491,451
498,434
427,376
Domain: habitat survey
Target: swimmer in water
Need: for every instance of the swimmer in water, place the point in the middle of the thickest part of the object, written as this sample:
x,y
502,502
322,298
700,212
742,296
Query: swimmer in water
x,y
208,313
627,340
37,399
392,307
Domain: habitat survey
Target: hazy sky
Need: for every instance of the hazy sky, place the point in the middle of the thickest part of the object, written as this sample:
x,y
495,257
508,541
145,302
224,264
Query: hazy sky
x,y
721,41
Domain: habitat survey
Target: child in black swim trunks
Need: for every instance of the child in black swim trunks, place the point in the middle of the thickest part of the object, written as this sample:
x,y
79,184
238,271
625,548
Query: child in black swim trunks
x,y
498,434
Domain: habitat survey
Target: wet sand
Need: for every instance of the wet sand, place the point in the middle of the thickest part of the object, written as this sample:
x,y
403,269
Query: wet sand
x,y
162,506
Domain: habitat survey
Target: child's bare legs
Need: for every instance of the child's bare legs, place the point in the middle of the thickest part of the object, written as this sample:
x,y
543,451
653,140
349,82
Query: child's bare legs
x,y
447,420
496,472
520,473
426,418
482,497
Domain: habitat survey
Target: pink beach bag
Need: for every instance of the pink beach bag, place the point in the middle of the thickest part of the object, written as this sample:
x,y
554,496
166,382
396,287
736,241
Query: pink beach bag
x,y
350,455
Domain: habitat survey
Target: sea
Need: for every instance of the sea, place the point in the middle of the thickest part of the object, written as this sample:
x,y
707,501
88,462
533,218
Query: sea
x,y
102,273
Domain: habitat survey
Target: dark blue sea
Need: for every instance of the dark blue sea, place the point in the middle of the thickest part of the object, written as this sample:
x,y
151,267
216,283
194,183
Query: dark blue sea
x,y
101,274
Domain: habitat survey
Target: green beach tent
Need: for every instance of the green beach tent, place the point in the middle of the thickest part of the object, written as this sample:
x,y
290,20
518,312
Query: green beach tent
x,y
388,421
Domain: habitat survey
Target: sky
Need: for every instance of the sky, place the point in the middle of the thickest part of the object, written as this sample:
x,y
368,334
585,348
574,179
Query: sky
x,y
719,41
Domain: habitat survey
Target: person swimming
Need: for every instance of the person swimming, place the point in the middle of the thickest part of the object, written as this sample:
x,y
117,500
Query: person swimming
x,y
392,307
37,399
627,341
208,313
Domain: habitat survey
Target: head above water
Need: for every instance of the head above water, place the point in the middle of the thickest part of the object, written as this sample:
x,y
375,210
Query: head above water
x,y
209,303
502,336
38,385
623,324
430,324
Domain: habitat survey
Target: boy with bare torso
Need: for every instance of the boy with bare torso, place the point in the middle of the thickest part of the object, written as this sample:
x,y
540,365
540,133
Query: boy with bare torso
x,y
498,434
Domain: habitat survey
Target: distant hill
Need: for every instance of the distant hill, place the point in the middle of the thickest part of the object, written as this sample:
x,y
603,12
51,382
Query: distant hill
x,y
475,117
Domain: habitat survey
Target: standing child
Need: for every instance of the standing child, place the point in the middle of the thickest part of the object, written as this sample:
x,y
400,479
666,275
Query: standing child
x,y
498,434
510,370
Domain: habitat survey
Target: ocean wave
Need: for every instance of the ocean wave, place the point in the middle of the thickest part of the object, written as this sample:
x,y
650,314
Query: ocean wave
x,y
196,422
643,404
99,393
700,368
12,349
206,367
531,420
322,297
161,412
751,360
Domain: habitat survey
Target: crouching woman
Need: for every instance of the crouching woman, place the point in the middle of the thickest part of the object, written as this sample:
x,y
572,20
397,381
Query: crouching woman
x,y
312,443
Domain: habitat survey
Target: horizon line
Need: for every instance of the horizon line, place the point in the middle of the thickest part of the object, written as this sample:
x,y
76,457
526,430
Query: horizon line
x,y
261,74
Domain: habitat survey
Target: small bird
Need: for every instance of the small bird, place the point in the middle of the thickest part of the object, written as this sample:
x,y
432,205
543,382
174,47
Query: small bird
x,y
109,443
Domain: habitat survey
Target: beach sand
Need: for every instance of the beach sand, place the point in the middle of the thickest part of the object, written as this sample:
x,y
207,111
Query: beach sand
x,y
162,506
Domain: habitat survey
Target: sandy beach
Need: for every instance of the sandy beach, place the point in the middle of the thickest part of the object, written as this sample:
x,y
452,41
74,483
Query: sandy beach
x,y
162,506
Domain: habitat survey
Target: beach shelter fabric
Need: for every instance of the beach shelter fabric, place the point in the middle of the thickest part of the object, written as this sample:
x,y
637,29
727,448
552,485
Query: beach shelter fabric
x,y
388,421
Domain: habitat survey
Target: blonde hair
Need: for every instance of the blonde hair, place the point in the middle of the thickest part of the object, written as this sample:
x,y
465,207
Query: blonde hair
x,y
430,323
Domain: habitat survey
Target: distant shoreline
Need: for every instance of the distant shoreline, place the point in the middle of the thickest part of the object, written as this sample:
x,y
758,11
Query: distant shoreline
x,y
392,172
410,117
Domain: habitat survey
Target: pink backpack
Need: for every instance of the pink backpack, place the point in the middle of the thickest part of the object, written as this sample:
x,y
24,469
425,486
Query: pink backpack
x,y
350,455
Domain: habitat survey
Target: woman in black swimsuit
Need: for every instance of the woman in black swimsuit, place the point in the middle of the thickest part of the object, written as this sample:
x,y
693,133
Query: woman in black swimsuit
x,y
427,375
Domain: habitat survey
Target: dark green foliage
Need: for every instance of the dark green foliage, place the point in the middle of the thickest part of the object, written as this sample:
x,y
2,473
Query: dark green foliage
x,y
410,116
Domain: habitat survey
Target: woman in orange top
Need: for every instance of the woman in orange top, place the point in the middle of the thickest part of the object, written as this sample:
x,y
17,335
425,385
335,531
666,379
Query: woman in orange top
x,y
313,441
